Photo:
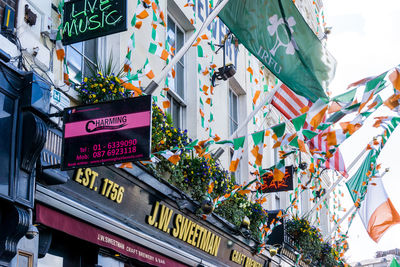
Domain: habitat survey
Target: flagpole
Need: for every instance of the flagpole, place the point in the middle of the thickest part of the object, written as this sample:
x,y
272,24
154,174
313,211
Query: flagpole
x,y
266,100
350,211
156,81
325,196
347,214
263,102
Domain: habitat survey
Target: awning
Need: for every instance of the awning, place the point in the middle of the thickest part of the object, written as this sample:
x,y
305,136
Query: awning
x,y
74,227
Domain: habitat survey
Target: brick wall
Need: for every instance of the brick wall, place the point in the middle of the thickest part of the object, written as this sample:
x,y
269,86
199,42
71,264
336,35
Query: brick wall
x,y
12,3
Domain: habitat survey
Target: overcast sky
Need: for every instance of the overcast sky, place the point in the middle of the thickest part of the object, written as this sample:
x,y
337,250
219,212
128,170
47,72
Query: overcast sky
x,y
365,41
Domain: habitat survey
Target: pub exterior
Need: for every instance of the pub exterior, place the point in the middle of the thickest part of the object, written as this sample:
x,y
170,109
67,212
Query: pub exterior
x,y
105,215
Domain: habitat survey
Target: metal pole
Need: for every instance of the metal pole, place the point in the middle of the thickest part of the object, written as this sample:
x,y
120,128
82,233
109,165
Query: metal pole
x,y
350,211
325,196
156,82
267,99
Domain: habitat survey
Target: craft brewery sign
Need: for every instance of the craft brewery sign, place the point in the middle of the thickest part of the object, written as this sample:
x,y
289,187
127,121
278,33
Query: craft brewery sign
x,y
270,186
107,133
88,19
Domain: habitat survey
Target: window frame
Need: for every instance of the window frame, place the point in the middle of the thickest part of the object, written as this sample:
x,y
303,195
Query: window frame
x,y
230,112
173,95
84,58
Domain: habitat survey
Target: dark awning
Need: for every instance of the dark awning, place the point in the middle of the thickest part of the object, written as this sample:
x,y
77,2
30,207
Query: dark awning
x,y
74,227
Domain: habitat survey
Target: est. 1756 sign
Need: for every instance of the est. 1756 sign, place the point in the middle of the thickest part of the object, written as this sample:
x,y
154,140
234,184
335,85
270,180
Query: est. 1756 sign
x,y
88,19
107,133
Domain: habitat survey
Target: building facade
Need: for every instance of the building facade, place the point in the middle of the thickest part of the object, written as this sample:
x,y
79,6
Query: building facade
x,y
70,223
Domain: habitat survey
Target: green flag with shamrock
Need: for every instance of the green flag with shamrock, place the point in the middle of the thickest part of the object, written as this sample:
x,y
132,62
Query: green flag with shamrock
x,y
277,34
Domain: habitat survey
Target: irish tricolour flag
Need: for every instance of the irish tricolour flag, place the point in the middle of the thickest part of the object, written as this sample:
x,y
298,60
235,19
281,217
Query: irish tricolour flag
x,y
377,211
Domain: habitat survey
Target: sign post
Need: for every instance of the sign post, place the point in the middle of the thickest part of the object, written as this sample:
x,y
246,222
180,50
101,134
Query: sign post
x,y
107,133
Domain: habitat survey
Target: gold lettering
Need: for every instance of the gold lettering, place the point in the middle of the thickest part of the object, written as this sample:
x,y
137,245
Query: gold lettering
x,y
165,217
200,239
206,239
195,235
211,244
242,259
216,245
151,219
78,175
185,229
189,238
178,220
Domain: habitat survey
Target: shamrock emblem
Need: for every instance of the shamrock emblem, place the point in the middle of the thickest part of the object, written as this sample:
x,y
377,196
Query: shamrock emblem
x,y
281,35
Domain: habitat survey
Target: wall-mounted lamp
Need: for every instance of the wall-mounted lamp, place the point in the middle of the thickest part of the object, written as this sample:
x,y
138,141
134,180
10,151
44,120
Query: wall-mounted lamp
x,y
207,205
223,73
227,70
229,244
273,250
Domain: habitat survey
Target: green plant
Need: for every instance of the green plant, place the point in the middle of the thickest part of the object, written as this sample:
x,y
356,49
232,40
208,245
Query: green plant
x,y
101,88
309,241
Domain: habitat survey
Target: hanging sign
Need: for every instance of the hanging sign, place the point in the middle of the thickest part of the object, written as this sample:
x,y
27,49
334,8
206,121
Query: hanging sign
x,y
88,19
107,133
271,186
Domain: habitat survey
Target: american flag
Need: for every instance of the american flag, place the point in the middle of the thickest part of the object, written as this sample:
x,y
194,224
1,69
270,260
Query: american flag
x,y
291,105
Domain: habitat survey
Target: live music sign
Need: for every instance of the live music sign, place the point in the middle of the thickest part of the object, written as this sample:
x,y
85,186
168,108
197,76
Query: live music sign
x,y
271,186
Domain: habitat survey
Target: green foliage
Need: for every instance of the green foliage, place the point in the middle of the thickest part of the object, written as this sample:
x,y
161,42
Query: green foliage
x,y
101,88
309,241
192,174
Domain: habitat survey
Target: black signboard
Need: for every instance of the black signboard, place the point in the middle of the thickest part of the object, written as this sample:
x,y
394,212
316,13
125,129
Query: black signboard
x,y
107,133
88,19
271,186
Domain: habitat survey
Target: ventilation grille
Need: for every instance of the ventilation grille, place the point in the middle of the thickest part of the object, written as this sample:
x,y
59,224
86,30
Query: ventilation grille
x,y
51,153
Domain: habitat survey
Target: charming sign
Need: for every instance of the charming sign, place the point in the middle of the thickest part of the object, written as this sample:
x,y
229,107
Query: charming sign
x,y
184,229
107,133
243,260
88,19
271,186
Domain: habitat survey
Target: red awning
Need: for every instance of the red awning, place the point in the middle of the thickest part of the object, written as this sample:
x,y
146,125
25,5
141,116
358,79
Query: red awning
x,y
85,231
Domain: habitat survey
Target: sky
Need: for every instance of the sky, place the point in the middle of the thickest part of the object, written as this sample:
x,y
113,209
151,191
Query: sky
x,y
365,42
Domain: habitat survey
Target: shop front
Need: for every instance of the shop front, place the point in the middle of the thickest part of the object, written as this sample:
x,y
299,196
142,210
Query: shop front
x,y
127,217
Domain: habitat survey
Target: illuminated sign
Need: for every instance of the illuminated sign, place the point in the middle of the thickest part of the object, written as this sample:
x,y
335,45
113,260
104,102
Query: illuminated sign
x,y
184,229
88,19
243,260
270,186
107,133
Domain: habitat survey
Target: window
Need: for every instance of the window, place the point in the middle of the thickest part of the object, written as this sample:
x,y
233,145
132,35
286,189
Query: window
x,y
176,96
6,136
233,112
81,57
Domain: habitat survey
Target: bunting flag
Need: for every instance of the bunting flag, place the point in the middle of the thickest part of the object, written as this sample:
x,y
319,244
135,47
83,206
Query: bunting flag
x,y
157,50
394,263
371,88
147,70
238,144
279,171
277,34
141,12
257,151
128,63
60,52
172,157
316,113
377,211
279,134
